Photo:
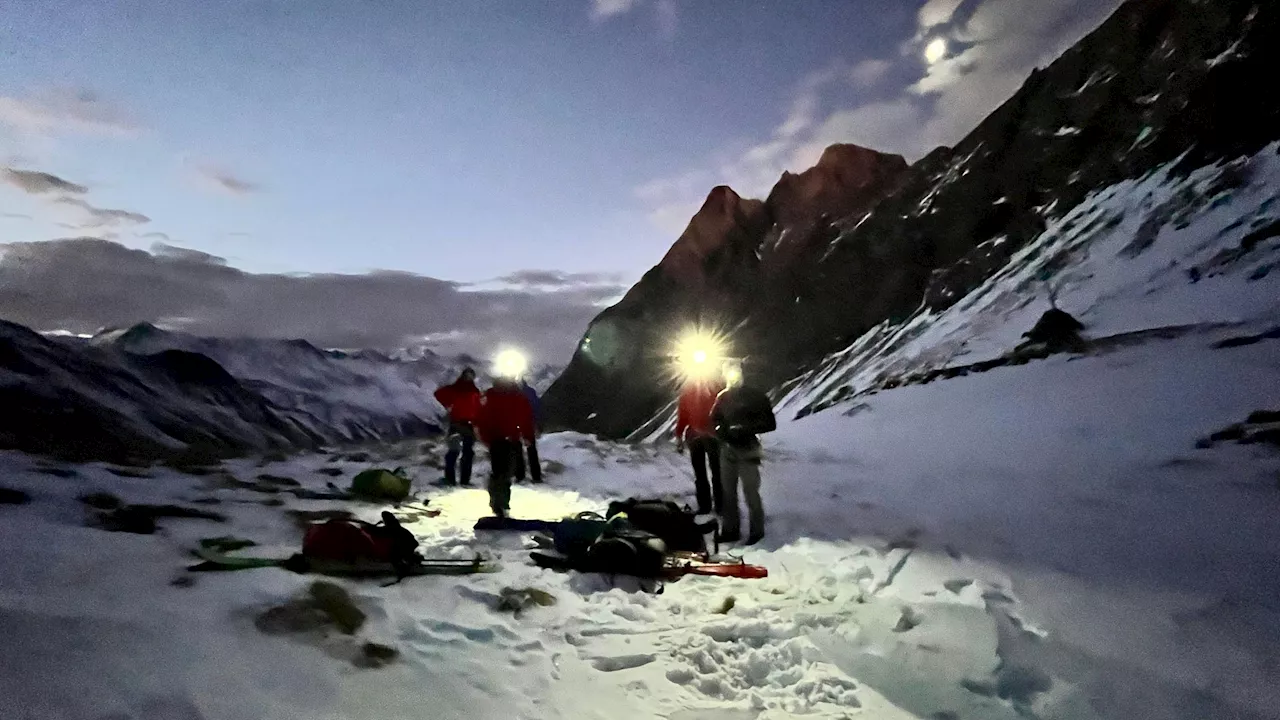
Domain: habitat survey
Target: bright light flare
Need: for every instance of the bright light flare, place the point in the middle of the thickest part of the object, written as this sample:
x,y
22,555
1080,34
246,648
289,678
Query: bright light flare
x,y
510,363
699,355
935,51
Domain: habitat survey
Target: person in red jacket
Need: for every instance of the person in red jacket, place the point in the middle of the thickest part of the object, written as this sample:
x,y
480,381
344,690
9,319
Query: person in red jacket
x,y
462,401
506,425
693,428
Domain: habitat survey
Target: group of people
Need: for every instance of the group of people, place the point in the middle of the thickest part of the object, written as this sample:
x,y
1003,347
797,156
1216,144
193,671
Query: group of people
x,y
506,419
718,419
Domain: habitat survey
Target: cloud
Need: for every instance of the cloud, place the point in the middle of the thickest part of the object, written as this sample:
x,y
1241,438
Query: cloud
x,y
223,180
84,284
886,126
15,216
665,12
62,111
610,8
937,12
869,73
558,280
102,217
35,182
162,237
62,192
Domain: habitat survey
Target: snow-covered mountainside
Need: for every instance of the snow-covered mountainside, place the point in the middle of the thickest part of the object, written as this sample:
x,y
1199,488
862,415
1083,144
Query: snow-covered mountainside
x,y
1136,262
339,395
140,392
87,402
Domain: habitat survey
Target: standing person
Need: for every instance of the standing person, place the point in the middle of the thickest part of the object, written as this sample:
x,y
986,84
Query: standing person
x,y
693,428
741,412
506,418
535,464
462,401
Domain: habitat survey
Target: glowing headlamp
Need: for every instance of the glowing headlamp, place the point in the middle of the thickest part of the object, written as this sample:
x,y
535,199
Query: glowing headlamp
x,y
699,355
510,363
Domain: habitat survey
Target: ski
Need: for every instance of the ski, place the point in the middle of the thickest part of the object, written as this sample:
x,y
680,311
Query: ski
x,y
691,563
742,571
680,568
214,561
515,524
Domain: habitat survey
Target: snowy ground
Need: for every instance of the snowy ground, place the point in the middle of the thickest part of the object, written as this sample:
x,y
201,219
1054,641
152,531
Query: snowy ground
x,y
1035,541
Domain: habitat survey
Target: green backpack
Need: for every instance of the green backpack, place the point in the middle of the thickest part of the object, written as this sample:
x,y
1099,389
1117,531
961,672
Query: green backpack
x,y
381,484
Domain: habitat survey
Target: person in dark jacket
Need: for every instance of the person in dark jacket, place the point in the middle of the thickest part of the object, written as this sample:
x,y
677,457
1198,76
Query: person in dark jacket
x,y
740,414
531,448
462,401
506,419
404,546
693,429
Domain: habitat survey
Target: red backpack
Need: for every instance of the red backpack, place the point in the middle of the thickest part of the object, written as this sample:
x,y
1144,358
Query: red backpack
x,y
347,541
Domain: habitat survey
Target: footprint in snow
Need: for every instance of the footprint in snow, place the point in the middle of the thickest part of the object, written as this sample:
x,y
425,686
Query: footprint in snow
x,y
957,585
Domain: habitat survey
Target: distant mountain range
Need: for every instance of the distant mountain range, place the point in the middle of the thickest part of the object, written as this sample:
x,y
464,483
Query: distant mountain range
x,y
142,392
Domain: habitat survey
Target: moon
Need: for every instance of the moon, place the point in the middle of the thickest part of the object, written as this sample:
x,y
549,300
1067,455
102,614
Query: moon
x,y
935,50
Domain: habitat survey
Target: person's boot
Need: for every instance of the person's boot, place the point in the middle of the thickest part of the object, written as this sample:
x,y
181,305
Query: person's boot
x,y
754,538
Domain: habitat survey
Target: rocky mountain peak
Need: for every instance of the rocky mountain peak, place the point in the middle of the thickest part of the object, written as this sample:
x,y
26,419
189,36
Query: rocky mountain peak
x,y
848,179
724,222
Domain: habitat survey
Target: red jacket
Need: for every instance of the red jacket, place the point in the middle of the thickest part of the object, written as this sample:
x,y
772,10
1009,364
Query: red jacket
x,y
693,418
505,415
462,400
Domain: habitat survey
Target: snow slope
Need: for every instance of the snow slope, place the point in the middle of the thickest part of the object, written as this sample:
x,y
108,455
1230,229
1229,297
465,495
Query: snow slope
x,y
1162,251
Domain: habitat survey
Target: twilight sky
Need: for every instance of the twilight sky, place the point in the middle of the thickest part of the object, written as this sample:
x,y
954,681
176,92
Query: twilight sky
x,y
496,170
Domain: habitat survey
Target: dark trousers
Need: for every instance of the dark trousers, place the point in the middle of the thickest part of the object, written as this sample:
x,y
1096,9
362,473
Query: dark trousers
x,y
502,466
535,465
462,441
705,451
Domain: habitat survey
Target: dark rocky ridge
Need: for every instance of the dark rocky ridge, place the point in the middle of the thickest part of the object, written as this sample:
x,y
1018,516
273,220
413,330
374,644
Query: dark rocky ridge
x,y
130,396
1159,81
90,404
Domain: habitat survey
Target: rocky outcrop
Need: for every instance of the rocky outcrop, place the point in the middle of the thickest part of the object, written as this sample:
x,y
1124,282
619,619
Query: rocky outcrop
x,y
717,244
1159,81
847,181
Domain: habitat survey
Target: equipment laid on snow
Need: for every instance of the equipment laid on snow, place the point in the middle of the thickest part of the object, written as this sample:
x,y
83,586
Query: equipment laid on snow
x,y
350,548
382,484
678,527
214,561
673,568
